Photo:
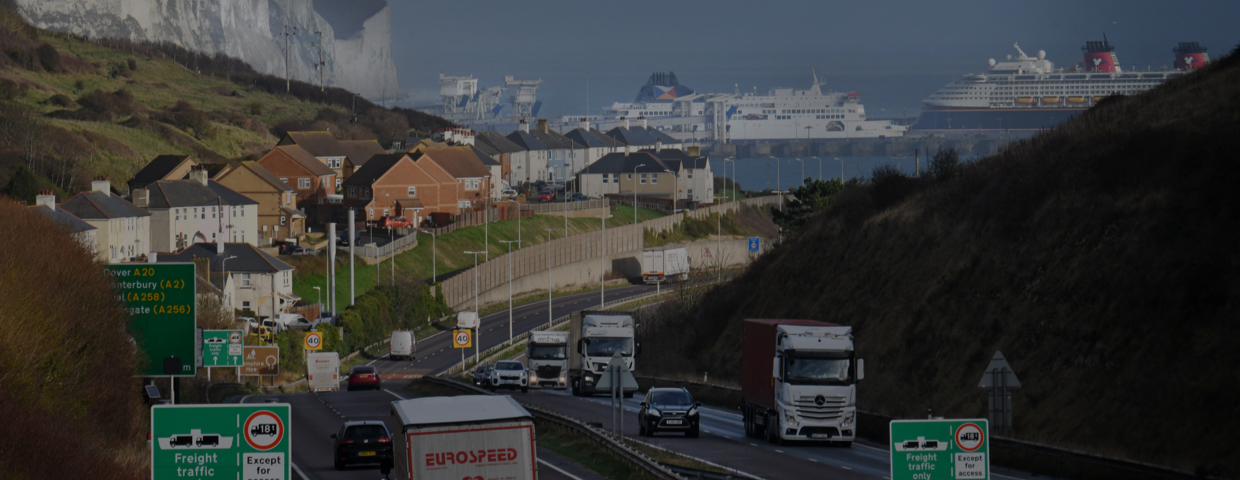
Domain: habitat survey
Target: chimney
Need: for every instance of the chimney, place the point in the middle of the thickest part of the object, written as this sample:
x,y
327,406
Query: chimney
x,y
658,145
46,198
624,122
101,185
542,125
584,125
627,148
643,119
524,126
141,197
219,246
199,173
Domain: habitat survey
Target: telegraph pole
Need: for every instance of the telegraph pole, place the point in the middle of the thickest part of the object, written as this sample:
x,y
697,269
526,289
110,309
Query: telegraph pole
x,y
321,63
286,34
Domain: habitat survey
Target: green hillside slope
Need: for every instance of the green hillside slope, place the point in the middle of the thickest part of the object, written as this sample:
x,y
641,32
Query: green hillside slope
x,y
1100,257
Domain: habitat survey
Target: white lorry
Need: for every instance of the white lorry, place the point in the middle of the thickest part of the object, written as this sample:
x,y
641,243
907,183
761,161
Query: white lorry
x,y
594,336
799,381
665,264
469,436
323,371
547,352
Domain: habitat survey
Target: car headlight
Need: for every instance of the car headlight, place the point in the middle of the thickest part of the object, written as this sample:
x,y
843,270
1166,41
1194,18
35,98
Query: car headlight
x,y
654,412
533,378
692,412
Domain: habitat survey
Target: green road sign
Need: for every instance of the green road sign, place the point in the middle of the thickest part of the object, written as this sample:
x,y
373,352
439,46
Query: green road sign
x,y
232,442
222,348
160,301
940,449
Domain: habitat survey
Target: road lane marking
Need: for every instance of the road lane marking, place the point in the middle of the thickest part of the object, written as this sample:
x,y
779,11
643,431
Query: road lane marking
x,y
845,468
394,394
812,460
779,451
558,469
299,472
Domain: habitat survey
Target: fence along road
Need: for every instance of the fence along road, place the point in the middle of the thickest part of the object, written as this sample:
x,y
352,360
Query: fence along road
x,y
527,261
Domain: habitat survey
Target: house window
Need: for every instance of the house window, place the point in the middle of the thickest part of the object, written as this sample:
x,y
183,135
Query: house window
x,y
245,281
630,176
303,183
690,173
352,192
643,179
604,179
245,305
615,178
282,220
690,194
413,191
654,179
338,182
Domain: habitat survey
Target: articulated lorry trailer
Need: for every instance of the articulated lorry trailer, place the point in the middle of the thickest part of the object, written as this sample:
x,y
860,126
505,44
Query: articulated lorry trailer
x,y
665,264
470,436
547,353
593,337
799,381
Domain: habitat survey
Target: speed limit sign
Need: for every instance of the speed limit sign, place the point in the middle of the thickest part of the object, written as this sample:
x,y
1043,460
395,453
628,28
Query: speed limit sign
x,y
314,341
461,339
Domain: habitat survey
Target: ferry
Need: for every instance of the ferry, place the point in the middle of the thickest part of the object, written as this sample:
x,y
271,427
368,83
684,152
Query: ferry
x,y
1029,93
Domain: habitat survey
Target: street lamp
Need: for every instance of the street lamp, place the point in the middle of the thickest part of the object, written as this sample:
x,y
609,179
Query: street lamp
x,y
841,169
434,256
478,335
725,174
549,230
635,193
675,187
802,169
778,184
509,243
819,167
602,253
719,240
320,292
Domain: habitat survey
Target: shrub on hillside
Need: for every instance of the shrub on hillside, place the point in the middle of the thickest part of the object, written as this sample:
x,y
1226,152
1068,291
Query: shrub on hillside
x,y
889,186
945,164
60,100
49,57
383,309
67,372
108,106
10,90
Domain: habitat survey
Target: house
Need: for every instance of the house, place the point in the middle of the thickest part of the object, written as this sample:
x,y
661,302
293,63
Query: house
x,y
256,276
560,152
592,143
535,167
622,173
487,156
314,181
124,230
393,184
163,167
643,136
278,217
85,233
356,153
472,177
694,179
510,154
184,212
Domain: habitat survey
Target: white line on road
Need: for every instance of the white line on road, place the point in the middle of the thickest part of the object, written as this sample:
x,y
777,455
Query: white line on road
x,y
394,394
845,468
299,472
558,469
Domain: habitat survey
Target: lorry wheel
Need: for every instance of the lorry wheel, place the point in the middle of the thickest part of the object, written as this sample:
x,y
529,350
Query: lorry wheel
x,y
772,430
748,424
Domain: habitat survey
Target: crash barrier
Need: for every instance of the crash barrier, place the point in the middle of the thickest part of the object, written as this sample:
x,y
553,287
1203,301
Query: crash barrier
x,y
594,434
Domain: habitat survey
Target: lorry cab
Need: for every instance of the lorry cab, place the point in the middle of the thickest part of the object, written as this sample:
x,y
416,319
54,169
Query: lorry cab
x,y
547,354
599,336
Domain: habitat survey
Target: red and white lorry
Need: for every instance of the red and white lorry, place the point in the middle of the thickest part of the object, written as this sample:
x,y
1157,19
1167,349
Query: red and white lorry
x,y
472,436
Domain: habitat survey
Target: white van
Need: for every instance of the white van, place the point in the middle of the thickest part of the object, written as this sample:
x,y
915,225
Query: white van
x,y
403,345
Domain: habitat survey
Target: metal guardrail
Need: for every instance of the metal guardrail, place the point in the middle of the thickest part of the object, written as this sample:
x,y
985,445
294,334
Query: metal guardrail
x,y
598,436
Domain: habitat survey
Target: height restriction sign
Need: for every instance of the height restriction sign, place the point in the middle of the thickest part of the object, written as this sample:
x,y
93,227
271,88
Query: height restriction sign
x,y
462,339
928,449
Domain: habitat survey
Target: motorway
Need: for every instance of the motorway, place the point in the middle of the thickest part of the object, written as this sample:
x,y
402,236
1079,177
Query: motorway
x,y
723,442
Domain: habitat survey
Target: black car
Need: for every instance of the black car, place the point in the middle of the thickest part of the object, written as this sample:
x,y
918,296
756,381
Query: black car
x,y
482,375
668,409
579,197
363,442
342,238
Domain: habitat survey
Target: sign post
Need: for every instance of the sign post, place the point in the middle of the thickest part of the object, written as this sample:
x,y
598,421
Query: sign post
x,y
462,338
927,449
245,441
160,301
999,378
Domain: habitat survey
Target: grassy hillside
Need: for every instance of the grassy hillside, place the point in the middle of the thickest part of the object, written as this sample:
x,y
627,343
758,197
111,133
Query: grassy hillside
x,y
1099,257
66,369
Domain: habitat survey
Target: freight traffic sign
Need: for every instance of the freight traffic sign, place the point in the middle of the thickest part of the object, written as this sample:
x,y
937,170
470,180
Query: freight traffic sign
x,y
160,300
240,441
948,449
222,348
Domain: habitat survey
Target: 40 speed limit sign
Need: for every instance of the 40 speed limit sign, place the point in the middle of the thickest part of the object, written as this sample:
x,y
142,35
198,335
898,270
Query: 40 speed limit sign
x,y
462,339
314,341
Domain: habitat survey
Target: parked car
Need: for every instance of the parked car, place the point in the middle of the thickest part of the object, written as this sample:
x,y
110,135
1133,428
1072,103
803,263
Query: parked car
x,y
301,323
366,441
668,409
507,193
579,197
482,373
285,248
364,376
343,236
274,325
546,196
302,251
393,222
509,374
263,333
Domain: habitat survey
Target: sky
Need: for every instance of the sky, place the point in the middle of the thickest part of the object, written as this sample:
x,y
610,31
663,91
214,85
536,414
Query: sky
x,y
895,53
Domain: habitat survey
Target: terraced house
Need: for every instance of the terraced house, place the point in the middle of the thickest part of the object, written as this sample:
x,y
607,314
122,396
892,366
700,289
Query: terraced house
x,y
185,212
278,217
393,184
315,182
124,230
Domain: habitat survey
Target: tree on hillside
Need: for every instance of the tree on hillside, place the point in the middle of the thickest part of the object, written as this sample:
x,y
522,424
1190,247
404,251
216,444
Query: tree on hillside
x,y
24,185
388,126
808,199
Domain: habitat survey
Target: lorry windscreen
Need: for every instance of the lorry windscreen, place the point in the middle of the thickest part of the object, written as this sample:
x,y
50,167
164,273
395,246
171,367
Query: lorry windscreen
x,y
817,370
608,346
548,352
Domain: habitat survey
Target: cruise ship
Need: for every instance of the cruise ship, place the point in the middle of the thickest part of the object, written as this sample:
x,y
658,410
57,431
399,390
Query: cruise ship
x,y
781,114
1029,93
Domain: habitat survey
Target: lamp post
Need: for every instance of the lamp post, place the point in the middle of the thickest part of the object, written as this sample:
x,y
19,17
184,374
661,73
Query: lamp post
x,y
549,230
778,184
391,241
802,169
320,292
602,253
478,334
675,184
225,272
719,241
819,167
841,169
509,243
434,256
635,192
725,174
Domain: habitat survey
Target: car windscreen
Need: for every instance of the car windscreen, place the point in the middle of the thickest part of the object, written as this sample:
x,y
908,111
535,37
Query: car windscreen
x,y
548,352
364,432
671,398
509,366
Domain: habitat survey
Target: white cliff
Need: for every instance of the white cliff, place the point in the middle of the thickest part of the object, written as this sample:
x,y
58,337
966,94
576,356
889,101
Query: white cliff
x,y
356,33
